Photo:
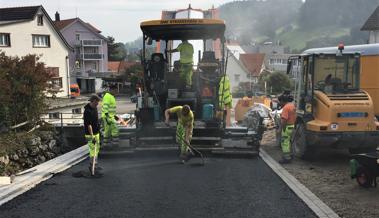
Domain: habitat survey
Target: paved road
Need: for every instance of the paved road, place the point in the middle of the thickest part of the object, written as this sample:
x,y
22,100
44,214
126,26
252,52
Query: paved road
x,y
156,185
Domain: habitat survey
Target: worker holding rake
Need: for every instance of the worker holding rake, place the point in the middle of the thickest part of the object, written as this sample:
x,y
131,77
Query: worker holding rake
x,y
184,128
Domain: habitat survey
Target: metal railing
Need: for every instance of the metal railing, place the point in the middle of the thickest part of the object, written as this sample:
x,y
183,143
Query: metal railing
x,y
91,42
91,56
60,119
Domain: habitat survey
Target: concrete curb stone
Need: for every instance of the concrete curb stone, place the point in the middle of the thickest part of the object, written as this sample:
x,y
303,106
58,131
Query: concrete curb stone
x,y
28,179
311,200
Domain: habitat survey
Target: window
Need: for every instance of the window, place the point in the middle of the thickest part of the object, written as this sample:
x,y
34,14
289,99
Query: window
x,y
77,36
77,111
53,71
40,20
237,77
56,83
5,40
54,115
42,41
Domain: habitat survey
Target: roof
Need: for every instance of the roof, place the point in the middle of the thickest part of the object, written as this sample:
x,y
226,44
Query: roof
x,y
62,24
13,15
118,66
366,49
113,66
176,29
18,13
372,23
253,63
235,49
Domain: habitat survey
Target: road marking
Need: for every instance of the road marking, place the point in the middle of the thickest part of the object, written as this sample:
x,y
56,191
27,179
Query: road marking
x,y
311,200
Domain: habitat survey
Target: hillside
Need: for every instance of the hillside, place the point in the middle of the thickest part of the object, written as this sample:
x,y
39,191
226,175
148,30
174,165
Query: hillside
x,y
297,24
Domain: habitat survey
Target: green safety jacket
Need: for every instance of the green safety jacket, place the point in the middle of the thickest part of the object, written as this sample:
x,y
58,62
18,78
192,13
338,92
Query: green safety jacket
x,y
186,53
224,93
109,106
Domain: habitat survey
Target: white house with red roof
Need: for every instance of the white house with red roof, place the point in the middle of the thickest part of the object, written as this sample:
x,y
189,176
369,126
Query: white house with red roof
x,y
30,30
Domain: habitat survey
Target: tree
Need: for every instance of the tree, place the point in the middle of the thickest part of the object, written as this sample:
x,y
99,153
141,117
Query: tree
x,y
278,82
133,74
116,51
24,83
263,78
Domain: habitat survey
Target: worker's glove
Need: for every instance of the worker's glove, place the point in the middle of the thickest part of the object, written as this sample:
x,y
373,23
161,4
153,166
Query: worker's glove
x,y
94,139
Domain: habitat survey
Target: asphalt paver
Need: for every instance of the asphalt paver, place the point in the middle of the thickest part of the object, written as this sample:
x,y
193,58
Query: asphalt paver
x,y
158,185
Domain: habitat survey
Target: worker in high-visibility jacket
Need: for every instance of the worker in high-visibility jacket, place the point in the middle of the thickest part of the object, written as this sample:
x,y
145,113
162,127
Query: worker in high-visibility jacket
x,y
225,97
288,119
186,60
109,118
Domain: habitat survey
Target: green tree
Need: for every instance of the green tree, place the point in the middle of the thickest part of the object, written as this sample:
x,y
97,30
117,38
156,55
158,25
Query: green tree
x,y
133,74
116,51
24,83
278,82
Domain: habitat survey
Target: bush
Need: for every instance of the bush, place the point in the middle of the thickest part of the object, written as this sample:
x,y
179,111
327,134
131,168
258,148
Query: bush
x,y
23,83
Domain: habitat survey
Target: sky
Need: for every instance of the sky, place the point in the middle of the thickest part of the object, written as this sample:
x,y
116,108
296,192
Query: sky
x,y
117,18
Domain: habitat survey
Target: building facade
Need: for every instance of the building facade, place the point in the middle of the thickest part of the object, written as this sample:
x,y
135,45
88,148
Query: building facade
x,y
89,60
30,30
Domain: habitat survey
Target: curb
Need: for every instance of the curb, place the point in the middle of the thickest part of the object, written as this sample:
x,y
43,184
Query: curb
x,y
311,200
28,179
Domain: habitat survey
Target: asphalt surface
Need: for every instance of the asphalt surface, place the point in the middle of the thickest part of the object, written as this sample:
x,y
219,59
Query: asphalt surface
x,y
157,185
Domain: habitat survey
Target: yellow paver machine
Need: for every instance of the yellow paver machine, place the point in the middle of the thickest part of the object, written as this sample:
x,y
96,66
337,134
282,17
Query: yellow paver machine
x,y
163,88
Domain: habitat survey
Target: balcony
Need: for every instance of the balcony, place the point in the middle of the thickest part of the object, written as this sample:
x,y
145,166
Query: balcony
x,y
100,74
91,42
89,56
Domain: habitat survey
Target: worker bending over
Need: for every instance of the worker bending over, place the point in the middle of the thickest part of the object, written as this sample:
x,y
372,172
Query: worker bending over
x,y
186,60
288,118
184,128
109,118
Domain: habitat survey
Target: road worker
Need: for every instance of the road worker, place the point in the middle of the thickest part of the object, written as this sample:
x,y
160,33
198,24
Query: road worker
x,y
288,118
186,60
109,118
225,97
184,128
92,130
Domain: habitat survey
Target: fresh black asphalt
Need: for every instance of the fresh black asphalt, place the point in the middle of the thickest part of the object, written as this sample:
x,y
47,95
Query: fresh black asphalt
x,y
157,185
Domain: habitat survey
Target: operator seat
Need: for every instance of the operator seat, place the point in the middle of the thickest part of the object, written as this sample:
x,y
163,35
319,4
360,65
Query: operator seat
x,y
208,63
156,67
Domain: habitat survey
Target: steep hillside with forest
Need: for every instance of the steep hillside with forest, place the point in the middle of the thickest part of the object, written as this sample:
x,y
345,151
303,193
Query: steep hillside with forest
x,y
298,24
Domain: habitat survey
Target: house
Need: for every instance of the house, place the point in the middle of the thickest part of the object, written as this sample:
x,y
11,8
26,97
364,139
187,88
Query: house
x,y
243,69
372,26
30,30
254,63
236,72
89,61
117,68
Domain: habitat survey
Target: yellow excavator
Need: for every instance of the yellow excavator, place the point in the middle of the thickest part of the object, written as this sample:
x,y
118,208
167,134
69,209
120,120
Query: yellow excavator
x,y
332,109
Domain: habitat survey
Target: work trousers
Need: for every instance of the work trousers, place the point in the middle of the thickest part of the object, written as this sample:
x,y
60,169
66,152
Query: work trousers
x,y
286,141
186,73
91,146
111,132
180,138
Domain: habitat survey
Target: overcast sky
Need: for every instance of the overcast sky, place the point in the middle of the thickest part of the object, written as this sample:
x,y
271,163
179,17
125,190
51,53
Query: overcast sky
x,y
118,18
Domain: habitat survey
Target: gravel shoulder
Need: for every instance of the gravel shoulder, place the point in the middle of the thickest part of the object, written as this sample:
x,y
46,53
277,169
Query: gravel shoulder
x,y
328,177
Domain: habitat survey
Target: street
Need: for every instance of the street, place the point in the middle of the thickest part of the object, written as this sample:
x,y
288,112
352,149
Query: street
x,y
157,185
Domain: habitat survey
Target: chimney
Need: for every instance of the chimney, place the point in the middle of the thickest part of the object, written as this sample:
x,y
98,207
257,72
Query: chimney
x,y
57,17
